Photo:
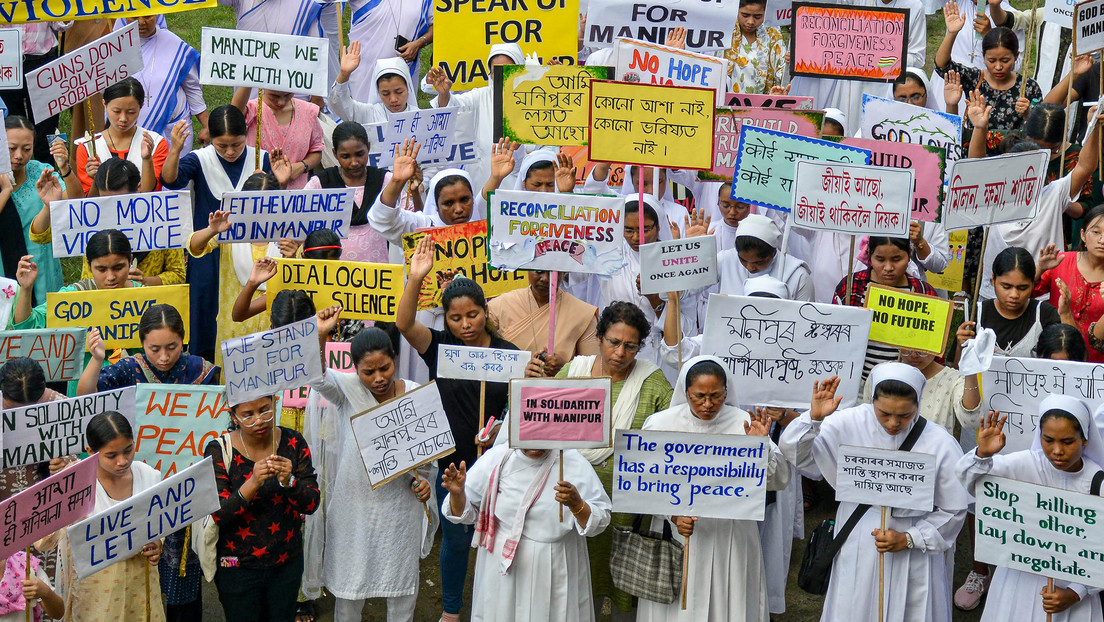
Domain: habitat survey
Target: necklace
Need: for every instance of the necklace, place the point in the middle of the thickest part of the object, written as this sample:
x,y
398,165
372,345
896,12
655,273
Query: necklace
x,y
241,437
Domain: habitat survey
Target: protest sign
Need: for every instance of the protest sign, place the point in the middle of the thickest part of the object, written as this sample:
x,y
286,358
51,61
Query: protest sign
x,y
462,151
709,25
151,220
263,60
402,434
630,123
553,231
8,293
547,28
11,58
887,119
269,215
726,132
174,423
52,504
848,42
269,362
433,129
1040,530
776,349
338,358
885,477
685,474
115,312
766,164
583,167
1089,35
678,265
950,279
1060,13
84,72
41,432
990,191
852,198
544,105
461,249
560,413
365,291
119,532
60,351
482,364
650,63
779,14
928,164
755,100
34,11
5,155
910,321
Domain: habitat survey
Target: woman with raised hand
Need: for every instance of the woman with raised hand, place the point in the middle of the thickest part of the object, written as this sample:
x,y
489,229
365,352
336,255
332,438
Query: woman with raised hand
x,y
288,125
391,90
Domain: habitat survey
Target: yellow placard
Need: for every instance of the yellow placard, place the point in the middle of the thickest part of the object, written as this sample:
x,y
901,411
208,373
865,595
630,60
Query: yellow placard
x,y
365,291
33,11
906,320
651,125
545,105
951,279
116,312
464,32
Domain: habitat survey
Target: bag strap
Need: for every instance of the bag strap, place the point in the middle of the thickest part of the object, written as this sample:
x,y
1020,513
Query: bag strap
x,y
638,527
1097,480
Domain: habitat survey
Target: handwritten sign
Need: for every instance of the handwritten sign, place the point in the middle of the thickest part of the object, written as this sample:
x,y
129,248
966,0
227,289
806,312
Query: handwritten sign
x,y
463,149
60,351
906,320
848,42
287,63
11,58
544,105
42,432
151,221
678,265
755,100
685,474
560,413
269,215
119,532
483,364
175,422
402,434
583,167
950,279
780,14
552,231
434,130
116,312
892,479
1089,35
928,164
708,25
8,289
989,191
65,10
776,349
269,362
649,63
852,198
1060,13
338,358
726,132
84,72
461,249
766,164
5,157
43,508
651,125
365,291
887,119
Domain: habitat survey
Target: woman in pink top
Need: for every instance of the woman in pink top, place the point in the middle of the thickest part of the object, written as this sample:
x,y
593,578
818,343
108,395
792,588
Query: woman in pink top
x,y
287,123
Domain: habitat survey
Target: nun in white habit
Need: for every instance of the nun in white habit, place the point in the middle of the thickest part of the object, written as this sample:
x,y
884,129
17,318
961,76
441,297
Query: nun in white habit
x,y
917,580
375,110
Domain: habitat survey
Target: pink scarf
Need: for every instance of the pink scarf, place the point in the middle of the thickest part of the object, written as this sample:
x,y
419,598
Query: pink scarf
x,y
485,523
11,586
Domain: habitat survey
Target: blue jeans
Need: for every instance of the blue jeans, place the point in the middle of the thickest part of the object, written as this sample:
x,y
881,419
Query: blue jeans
x,y
455,549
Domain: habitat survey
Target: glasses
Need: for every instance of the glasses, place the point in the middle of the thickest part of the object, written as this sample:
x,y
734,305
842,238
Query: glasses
x,y
253,421
915,98
702,398
632,233
616,344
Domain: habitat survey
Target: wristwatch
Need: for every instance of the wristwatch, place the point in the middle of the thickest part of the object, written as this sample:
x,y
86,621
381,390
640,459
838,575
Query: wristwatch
x,y
908,541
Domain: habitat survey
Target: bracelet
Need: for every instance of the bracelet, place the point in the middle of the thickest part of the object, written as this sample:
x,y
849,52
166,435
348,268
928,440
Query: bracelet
x,y
974,389
241,496
67,174
1094,342
581,508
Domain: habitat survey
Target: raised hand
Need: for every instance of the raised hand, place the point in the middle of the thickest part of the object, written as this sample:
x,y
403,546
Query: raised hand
x,y
759,424
977,110
565,173
990,435
96,345
26,272
48,187
502,159
281,166
697,223
824,400
350,60
439,79
1048,258
1063,298
328,319
406,161
421,262
965,332
952,88
147,146
781,90
453,478
676,38
953,18
179,134
263,270
1082,63
219,221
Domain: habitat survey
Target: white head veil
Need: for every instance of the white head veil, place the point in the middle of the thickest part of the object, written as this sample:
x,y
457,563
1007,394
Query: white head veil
x,y
430,207
900,372
661,215
512,50
1094,450
535,157
679,396
397,66
932,102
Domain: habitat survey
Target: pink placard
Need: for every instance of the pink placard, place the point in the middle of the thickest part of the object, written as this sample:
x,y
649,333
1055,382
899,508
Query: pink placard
x,y
848,42
337,358
755,100
927,163
56,502
568,414
726,131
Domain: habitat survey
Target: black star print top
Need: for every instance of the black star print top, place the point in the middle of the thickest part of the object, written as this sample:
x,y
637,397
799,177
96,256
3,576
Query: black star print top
x,y
268,530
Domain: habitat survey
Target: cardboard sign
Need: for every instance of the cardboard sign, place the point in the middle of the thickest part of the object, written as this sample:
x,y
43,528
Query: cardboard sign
x,y
726,132
1040,530
402,434
461,249
269,215
885,477
262,60
888,119
782,102
776,349
116,312
911,321
685,474
42,432
766,164
60,351
365,291
709,25
650,63
544,105
482,364
175,422
850,198
84,72
119,532
560,413
990,191
848,42
43,508
1060,13
270,362
552,231
1089,35
928,164
651,125
951,278
64,10
678,265
433,129
151,221
338,358
11,59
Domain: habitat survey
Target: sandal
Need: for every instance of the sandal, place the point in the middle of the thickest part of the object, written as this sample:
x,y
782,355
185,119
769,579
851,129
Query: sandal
x,y
304,611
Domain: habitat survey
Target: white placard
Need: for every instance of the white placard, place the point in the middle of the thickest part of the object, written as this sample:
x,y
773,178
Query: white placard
x,y
885,477
709,25
60,351
151,220
482,364
560,413
402,434
5,155
685,474
9,289
271,362
463,146
636,61
991,191
899,122
1089,36
11,58
852,198
776,349
269,215
778,14
263,60
678,265
1060,13
434,129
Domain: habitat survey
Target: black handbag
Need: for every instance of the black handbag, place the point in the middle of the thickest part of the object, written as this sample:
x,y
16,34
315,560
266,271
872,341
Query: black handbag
x,y
645,564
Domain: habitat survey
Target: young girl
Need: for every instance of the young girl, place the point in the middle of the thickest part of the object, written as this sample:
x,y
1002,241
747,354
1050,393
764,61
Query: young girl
x,y
392,89
17,591
1073,282
1061,342
288,125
